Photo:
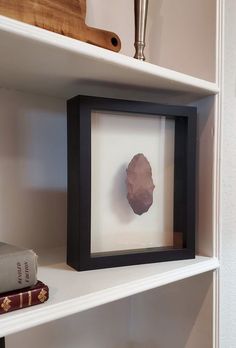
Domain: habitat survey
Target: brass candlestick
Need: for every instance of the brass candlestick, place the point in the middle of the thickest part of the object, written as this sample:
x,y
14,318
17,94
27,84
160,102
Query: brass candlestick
x,y
140,12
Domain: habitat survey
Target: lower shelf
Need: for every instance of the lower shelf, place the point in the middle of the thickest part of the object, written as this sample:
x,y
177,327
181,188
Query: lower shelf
x,y
72,292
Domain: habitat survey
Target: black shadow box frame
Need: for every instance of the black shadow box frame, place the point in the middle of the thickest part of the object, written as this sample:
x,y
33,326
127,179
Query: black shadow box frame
x,y
79,183
2,342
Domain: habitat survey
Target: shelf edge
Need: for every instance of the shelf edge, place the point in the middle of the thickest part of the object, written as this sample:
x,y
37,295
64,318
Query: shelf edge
x,y
98,53
46,314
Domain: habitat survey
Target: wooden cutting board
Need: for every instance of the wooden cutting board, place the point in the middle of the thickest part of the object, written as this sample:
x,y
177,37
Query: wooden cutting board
x,y
66,17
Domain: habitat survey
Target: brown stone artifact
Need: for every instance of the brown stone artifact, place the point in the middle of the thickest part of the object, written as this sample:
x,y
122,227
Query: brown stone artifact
x,y
139,183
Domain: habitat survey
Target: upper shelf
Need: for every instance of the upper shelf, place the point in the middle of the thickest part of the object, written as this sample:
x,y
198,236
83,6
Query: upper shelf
x,y
72,292
41,61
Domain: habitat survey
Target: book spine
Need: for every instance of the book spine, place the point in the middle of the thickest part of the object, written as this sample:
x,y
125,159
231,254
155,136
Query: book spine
x,y
18,270
32,297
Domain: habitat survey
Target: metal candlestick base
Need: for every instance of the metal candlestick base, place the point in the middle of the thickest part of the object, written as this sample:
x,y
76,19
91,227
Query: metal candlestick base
x,y
140,12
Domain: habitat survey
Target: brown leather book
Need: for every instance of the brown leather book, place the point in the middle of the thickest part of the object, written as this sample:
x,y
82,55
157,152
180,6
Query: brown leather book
x,y
30,296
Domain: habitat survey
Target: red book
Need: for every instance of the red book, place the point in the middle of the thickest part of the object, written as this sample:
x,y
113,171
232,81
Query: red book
x,y
13,300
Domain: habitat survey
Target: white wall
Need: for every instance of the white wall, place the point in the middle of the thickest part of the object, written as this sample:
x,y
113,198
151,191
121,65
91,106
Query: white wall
x,y
33,170
180,33
172,316
228,185
106,326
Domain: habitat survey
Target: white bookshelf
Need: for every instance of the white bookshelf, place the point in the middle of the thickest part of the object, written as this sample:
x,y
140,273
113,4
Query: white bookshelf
x,y
39,71
73,292
44,62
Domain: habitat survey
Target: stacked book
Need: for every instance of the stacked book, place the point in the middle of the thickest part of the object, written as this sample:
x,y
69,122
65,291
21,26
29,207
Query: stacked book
x,y
19,286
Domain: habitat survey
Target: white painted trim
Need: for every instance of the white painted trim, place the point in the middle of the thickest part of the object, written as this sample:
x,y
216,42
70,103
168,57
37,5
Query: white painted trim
x,y
217,169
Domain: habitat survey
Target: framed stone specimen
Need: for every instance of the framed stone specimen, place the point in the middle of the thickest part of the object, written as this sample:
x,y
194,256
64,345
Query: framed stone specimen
x,y
131,182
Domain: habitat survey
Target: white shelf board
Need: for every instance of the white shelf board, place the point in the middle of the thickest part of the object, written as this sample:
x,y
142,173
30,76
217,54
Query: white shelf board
x,y
35,59
72,292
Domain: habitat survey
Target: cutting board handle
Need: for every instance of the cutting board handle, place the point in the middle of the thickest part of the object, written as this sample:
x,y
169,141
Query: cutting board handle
x,y
66,17
103,38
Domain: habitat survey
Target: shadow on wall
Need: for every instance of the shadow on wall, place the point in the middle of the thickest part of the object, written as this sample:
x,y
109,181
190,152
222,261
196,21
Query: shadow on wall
x,y
34,218
106,326
171,316
205,165
119,202
33,169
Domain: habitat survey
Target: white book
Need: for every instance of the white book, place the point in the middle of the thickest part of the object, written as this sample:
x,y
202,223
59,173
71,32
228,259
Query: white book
x,y
18,267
